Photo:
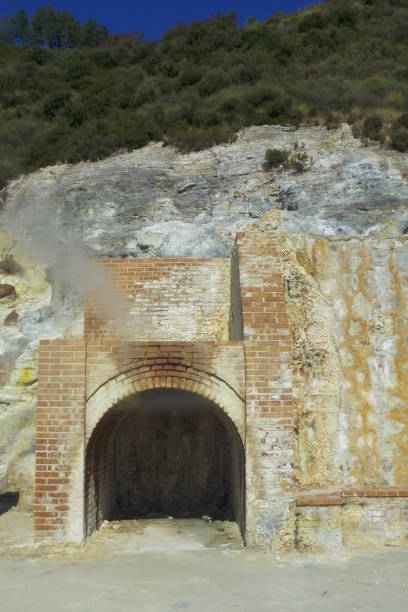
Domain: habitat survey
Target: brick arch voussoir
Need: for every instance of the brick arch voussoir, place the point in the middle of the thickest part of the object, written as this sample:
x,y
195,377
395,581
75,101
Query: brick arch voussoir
x,y
126,384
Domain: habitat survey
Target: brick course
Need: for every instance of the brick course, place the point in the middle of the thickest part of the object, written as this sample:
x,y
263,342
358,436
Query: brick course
x,y
339,496
120,368
163,299
269,402
60,427
203,326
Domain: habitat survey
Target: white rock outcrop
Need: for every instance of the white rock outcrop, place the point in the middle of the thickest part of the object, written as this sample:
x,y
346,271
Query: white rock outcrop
x,y
156,202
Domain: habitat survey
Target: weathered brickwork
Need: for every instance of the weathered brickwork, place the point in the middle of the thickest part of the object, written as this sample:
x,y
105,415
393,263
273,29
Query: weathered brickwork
x,y
357,522
117,369
60,436
73,407
204,337
122,369
163,299
269,404
338,497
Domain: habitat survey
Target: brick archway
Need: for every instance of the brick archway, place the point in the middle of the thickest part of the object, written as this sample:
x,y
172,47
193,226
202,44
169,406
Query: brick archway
x,y
140,428
206,327
149,375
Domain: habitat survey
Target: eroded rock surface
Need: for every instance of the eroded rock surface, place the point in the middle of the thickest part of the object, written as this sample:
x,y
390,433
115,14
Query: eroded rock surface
x,y
346,294
155,202
347,301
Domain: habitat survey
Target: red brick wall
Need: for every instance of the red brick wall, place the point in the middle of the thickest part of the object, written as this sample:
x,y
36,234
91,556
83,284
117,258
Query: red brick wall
x,y
269,405
81,381
163,299
181,362
60,433
69,370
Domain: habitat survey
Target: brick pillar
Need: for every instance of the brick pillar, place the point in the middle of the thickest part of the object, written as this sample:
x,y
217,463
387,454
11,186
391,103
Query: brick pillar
x,y
58,500
269,404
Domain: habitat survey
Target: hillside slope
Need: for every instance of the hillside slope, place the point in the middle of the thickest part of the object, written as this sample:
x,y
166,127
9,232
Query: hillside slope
x,y
342,60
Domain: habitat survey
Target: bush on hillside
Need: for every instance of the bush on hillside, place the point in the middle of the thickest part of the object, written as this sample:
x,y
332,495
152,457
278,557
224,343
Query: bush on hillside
x,y
402,121
399,133
74,96
275,158
372,127
399,139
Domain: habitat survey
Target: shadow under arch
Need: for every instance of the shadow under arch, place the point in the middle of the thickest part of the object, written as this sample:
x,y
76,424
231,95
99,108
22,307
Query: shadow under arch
x,y
164,451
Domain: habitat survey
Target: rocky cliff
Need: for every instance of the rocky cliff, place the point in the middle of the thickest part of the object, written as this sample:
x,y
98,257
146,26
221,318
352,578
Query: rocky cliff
x,y
341,222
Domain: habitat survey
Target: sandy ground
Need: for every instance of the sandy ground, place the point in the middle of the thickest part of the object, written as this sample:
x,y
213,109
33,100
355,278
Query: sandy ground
x,y
170,565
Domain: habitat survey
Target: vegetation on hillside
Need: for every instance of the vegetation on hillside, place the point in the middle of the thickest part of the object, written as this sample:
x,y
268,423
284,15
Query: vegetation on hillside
x,y
51,29
339,60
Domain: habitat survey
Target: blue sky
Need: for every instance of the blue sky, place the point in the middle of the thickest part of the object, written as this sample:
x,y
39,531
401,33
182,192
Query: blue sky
x,y
153,17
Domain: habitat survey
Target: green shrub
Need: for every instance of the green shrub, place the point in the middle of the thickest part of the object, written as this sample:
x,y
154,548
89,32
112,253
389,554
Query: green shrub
x,y
275,158
399,138
299,162
312,21
402,121
343,16
231,102
357,132
194,139
213,81
189,75
244,72
55,102
332,121
7,172
372,127
295,116
399,133
145,92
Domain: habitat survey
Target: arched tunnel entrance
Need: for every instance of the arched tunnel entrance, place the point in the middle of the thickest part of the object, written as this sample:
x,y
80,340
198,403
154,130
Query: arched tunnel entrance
x,y
164,452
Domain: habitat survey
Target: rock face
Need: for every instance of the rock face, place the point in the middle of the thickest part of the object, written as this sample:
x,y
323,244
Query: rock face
x,y
155,202
347,301
345,256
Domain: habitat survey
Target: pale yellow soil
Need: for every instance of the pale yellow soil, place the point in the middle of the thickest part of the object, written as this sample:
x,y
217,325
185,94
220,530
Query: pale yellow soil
x,y
167,565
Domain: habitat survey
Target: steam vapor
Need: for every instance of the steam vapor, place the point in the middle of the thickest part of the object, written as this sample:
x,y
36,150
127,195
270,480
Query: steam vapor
x,y
41,235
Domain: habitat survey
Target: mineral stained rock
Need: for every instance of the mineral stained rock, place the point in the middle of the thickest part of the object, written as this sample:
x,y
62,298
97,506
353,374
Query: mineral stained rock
x,y
341,225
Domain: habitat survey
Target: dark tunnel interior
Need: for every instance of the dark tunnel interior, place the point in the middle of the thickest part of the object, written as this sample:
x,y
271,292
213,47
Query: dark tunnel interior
x,y
164,452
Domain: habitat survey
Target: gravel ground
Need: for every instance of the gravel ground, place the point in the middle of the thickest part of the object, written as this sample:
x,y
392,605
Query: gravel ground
x,y
168,565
